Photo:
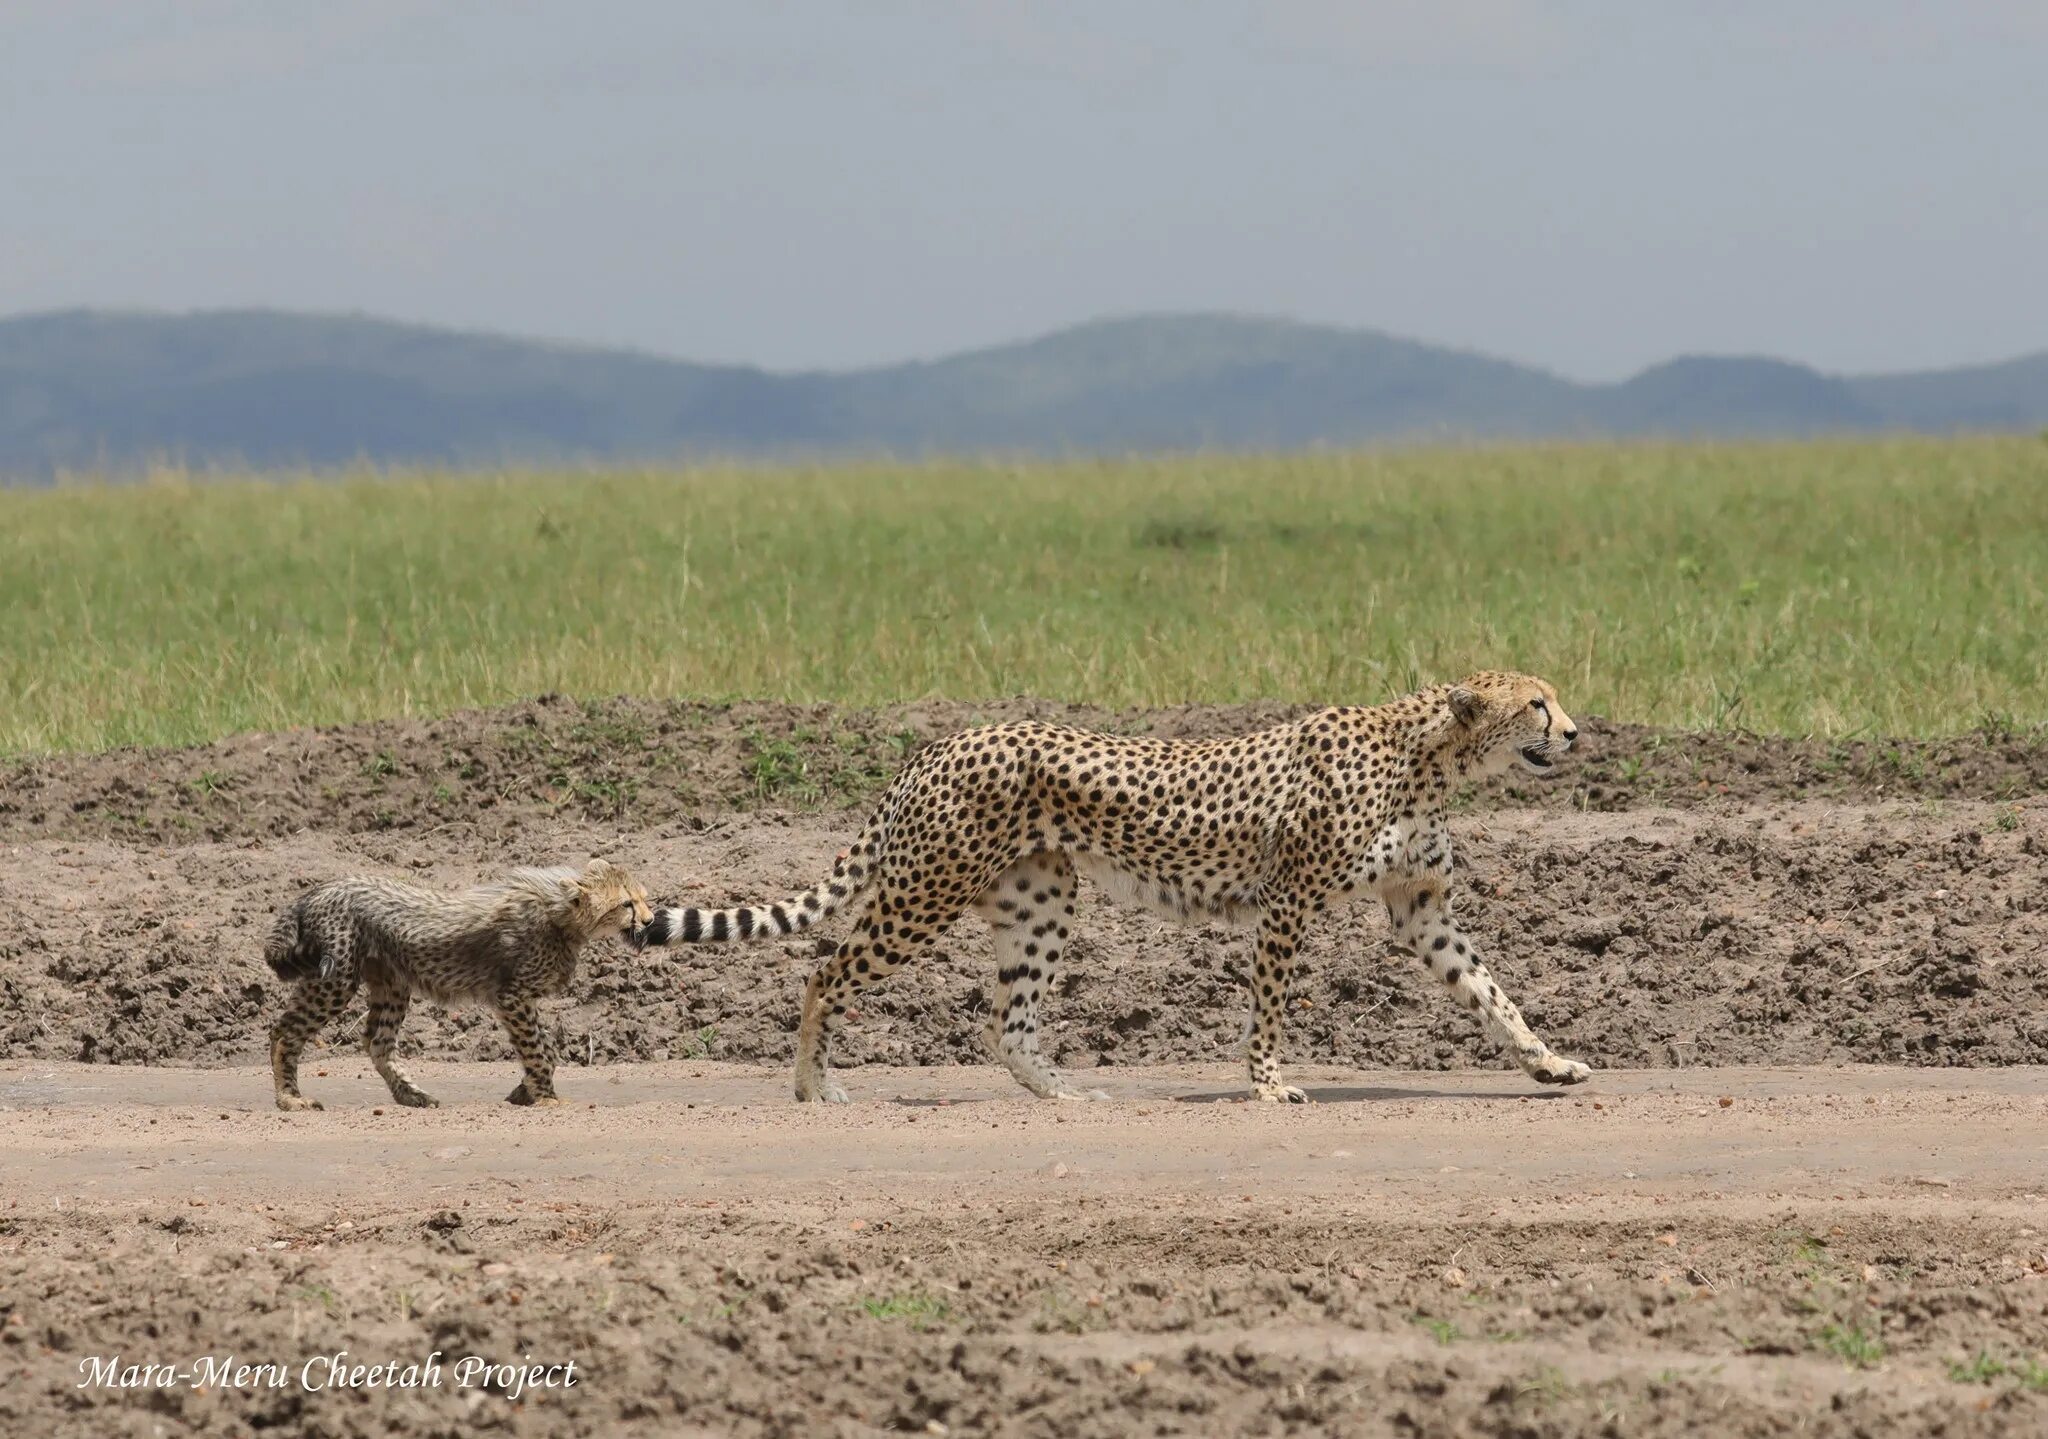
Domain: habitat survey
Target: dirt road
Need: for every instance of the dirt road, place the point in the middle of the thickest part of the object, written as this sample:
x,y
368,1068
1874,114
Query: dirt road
x,y
1778,1251
1693,1245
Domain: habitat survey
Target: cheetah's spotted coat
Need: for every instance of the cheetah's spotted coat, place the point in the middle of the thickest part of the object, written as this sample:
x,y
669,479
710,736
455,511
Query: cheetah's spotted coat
x,y
1263,829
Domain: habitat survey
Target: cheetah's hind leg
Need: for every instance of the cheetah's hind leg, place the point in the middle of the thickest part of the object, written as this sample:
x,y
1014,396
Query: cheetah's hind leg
x,y
313,1006
380,1035
1030,912
873,950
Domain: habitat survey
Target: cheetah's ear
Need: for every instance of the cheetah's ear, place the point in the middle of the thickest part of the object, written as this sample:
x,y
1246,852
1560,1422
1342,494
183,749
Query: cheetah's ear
x,y
594,878
1466,706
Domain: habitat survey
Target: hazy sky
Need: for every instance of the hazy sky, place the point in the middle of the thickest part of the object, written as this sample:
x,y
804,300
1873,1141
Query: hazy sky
x,y
1862,184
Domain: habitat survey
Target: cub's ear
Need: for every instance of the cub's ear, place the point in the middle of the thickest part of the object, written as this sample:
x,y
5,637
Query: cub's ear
x,y
1466,707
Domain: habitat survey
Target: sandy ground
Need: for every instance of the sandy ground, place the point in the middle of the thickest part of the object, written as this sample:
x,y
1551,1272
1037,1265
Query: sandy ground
x,y
1785,1250
1703,1241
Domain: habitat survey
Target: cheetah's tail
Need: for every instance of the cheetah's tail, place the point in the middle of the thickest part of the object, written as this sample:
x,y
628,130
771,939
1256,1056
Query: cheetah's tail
x,y
852,873
291,952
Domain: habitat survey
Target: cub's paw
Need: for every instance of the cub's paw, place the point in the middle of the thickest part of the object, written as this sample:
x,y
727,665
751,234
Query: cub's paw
x,y
416,1099
1555,1069
290,1102
1079,1096
1279,1094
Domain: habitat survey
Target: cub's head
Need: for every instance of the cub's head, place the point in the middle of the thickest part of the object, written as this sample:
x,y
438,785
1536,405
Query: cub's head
x,y
1507,720
610,901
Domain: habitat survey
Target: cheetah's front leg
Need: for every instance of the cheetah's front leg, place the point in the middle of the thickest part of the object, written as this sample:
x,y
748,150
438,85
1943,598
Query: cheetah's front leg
x,y
1273,962
536,1050
1422,922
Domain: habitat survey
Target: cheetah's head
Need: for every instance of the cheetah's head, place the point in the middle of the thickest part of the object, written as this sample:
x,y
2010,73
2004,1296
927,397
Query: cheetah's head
x,y
611,901
1505,720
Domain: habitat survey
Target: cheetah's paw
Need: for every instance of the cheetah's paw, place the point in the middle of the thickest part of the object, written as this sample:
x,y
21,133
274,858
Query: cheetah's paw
x,y
1555,1069
290,1102
1279,1094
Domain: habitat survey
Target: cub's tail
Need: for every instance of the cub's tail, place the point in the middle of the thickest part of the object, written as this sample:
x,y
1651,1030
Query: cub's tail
x,y
852,874
291,952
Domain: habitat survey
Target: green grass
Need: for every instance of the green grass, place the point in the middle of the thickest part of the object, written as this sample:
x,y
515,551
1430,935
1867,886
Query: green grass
x,y
1837,588
1988,1369
1854,1345
1441,1330
919,1311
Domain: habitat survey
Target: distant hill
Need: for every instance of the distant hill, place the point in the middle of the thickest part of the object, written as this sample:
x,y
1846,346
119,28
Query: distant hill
x,y
85,390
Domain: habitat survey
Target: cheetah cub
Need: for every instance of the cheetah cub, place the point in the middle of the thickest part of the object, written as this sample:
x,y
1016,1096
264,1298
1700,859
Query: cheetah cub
x,y
504,945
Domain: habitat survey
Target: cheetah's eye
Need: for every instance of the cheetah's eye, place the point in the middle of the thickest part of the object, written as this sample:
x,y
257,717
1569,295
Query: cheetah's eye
x,y
1539,706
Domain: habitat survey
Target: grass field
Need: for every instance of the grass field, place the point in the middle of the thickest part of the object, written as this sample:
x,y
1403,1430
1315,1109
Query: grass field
x,y
1838,588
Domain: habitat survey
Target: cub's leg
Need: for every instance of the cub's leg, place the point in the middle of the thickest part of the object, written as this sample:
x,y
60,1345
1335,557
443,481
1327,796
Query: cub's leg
x,y
1272,965
895,928
1030,910
536,1051
1421,912
313,1006
380,1033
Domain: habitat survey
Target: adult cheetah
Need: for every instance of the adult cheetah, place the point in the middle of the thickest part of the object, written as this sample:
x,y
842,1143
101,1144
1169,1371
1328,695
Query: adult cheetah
x,y
1264,829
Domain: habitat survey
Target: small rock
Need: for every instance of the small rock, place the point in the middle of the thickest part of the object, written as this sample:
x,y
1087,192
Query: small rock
x,y
1726,1102
1668,1239
1594,934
